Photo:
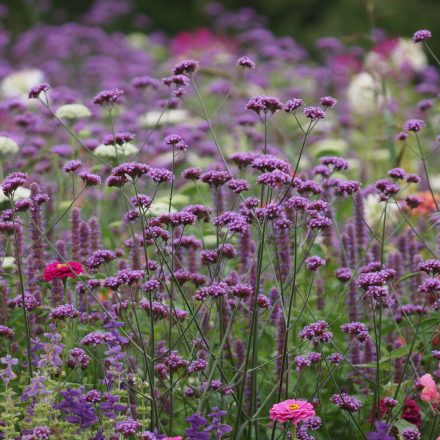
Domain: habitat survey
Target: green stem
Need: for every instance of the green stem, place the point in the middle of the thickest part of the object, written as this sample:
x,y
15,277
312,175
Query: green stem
x,y
22,292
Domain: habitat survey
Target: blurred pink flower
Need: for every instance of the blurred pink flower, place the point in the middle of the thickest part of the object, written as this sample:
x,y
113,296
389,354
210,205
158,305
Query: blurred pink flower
x,y
200,40
429,393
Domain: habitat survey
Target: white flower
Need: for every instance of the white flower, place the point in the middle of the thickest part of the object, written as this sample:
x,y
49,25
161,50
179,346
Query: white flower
x,y
403,55
19,193
72,111
169,117
112,151
18,84
365,94
7,146
159,208
374,211
435,182
8,263
406,53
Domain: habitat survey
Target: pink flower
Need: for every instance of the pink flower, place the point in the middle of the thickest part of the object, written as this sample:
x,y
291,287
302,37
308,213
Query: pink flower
x,y
199,41
62,270
179,437
429,392
291,410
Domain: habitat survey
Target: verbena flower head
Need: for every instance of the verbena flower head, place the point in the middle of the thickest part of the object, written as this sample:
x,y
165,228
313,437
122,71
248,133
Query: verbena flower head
x,y
36,91
430,266
243,158
344,274
119,138
313,263
275,179
64,311
175,80
346,402
127,427
90,179
291,105
97,338
192,173
314,113
387,188
397,173
108,98
317,332
100,257
335,358
411,434
72,166
264,104
130,169
328,101
42,433
414,125
215,178
356,329
160,175
143,82
6,332
177,142
421,35
30,301
238,185
12,182
269,162
292,410
246,63
186,67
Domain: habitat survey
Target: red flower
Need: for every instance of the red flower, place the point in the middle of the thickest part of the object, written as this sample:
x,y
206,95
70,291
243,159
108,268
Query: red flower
x,y
411,413
62,270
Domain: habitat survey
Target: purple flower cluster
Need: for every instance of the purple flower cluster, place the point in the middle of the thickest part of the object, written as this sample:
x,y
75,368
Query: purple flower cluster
x,y
346,402
317,332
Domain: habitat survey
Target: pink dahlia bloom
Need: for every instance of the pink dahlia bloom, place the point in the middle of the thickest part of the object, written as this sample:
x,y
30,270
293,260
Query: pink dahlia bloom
x,y
291,410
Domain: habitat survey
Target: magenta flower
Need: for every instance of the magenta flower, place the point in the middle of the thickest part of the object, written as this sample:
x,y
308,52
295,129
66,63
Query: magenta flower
x,y
291,410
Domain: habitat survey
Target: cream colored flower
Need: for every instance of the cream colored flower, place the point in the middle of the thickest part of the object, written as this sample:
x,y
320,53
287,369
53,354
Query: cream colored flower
x,y
159,208
7,146
169,117
8,263
113,151
18,84
19,193
364,94
73,111
374,211
406,53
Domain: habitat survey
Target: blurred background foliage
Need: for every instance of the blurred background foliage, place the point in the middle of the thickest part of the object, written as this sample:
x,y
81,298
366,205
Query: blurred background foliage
x,y
305,20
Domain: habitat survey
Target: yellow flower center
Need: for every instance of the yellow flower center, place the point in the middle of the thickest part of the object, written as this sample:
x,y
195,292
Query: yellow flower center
x,y
59,266
293,406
